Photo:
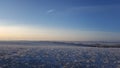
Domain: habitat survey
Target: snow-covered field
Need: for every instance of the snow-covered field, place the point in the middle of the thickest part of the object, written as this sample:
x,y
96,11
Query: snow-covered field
x,y
21,56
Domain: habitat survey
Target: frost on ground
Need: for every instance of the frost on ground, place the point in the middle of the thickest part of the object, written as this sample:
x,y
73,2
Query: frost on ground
x,y
18,56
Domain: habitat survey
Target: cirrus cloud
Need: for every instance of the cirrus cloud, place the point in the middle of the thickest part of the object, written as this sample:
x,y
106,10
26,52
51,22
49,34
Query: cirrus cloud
x,y
50,11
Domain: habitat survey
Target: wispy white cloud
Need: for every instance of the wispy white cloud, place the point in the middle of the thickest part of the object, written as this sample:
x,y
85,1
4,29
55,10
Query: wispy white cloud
x,y
89,9
94,8
50,11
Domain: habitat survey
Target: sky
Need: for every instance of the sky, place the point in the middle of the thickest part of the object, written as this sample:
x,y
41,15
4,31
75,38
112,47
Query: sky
x,y
66,20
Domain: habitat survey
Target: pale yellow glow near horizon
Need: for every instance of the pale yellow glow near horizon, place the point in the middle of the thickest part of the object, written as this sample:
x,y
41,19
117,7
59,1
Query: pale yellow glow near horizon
x,y
18,33
30,33
33,33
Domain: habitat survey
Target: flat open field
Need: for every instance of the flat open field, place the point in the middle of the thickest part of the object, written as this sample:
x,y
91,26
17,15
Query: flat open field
x,y
53,56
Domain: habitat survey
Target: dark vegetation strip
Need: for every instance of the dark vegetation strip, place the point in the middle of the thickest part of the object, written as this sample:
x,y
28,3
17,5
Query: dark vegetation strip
x,y
58,43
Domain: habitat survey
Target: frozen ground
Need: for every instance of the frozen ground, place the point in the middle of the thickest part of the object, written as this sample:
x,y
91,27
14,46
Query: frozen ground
x,y
21,56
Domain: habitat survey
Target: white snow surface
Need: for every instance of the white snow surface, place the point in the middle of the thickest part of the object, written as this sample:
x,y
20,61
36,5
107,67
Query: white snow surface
x,y
54,56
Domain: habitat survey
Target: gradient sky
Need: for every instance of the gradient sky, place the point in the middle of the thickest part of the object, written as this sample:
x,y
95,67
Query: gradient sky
x,y
69,20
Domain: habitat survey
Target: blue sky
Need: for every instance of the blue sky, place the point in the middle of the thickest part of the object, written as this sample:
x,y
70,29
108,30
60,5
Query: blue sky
x,y
62,17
